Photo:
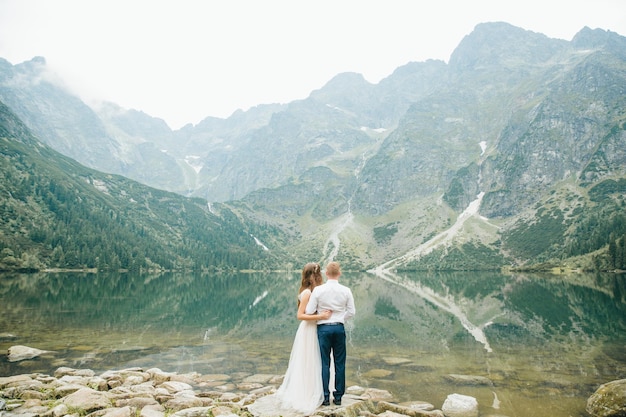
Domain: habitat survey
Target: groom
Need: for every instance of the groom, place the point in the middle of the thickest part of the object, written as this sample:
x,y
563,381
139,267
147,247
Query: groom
x,y
331,334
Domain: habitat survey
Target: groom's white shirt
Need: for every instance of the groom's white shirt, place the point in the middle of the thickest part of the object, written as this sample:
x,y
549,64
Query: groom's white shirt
x,y
332,296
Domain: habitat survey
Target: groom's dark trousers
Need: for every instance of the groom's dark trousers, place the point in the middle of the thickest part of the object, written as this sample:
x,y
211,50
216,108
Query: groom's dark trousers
x,y
332,337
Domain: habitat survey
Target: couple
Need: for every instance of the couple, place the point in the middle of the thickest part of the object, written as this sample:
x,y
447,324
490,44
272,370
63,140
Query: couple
x,y
323,310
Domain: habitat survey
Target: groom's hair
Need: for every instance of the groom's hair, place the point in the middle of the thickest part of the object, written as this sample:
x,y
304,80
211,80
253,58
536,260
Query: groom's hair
x,y
333,269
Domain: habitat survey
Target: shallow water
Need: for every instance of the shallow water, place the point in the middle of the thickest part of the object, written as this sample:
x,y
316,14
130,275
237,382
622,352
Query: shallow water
x,y
541,344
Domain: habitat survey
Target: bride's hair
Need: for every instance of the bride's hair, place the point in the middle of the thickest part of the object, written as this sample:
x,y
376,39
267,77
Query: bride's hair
x,y
311,277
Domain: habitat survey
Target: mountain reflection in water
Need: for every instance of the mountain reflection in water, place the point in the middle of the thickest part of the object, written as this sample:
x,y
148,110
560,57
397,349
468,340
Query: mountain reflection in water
x,y
542,343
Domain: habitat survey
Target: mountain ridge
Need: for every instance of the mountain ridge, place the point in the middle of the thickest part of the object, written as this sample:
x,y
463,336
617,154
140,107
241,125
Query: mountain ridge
x,y
369,172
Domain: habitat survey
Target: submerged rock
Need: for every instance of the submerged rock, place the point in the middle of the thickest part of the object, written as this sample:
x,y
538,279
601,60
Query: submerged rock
x,y
609,400
457,405
20,353
469,379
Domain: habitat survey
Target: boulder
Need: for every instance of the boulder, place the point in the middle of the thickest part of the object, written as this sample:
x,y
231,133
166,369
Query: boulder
x,y
175,386
469,379
152,411
30,408
183,402
136,402
609,400
117,412
375,394
418,405
194,412
87,399
396,361
377,373
158,376
390,409
20,353
60,410
63,371
258,378
249,386
457,405
15,381
214,378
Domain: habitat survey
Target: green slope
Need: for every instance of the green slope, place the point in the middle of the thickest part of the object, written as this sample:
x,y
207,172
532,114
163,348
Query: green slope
x,y
55,213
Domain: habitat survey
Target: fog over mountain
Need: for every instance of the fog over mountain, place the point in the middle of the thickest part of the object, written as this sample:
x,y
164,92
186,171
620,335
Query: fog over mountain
x,y
512,154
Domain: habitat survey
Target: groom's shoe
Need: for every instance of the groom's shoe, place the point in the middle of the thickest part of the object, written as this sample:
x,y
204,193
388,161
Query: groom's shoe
x,y
337,401
326,402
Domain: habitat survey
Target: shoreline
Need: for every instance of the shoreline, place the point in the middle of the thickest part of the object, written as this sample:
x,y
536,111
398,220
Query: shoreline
x,y
155,393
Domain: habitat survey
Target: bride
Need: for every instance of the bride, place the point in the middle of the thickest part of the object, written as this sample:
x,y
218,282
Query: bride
x,y
301,389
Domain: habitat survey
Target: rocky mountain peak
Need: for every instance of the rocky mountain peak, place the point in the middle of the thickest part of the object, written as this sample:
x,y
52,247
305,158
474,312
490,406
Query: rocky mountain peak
x,y
32,69
500,44
588,38
340,85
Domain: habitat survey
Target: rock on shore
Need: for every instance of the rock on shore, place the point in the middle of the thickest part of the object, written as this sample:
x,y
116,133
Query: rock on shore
x,y
136,392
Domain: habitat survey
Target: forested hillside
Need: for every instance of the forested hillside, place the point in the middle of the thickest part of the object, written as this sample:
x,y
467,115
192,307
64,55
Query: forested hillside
x,y
55,213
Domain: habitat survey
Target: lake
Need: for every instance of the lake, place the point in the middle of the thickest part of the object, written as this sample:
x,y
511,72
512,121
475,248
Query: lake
x,y
541,344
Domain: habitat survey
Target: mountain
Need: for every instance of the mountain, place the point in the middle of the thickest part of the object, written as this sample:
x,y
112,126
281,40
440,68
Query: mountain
x,y
111,140
57,213
510,155
217,158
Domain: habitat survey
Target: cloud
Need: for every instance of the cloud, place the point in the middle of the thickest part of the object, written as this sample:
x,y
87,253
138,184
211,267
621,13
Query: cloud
x,y
186,60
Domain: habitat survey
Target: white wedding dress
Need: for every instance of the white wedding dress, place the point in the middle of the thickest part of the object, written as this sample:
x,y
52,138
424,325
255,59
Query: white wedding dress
x,y
301,389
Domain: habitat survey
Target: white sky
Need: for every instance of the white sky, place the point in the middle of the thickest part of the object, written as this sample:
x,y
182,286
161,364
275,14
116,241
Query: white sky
x,y
184,60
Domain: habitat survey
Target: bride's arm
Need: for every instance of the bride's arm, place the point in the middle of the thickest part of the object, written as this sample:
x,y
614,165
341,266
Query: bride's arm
x,y
322,315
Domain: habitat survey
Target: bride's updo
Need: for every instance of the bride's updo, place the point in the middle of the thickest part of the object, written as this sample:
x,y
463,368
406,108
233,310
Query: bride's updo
x,y
311,276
